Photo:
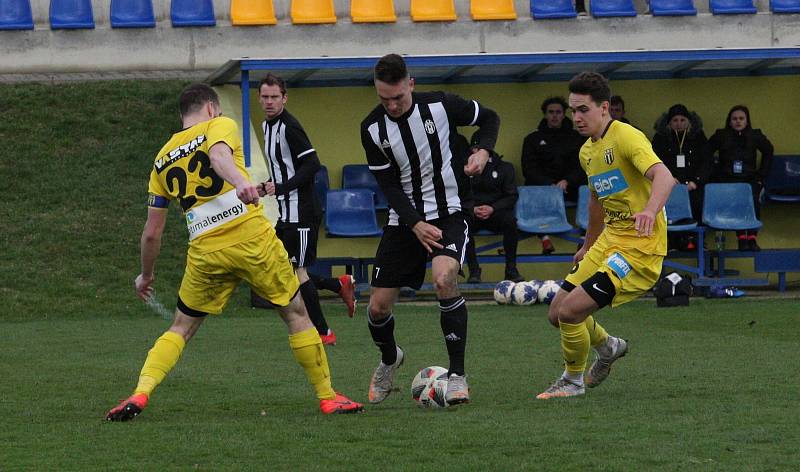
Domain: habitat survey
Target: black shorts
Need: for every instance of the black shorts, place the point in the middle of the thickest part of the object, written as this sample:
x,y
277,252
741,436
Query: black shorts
x,y
300,241
401,258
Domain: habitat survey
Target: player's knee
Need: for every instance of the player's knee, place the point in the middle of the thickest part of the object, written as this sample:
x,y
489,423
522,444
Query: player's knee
x,y
378,311
567,314
552,316
444,284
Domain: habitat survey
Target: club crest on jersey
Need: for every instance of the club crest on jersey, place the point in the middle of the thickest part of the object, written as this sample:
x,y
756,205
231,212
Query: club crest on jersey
x,y
609,155
430,127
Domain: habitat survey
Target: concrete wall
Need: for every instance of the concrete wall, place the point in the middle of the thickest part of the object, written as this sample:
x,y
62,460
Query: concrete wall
x,y
204,49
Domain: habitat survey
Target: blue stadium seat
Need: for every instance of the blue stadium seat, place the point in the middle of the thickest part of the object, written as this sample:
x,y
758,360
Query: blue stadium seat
x,y
672,8
552,9
322,185
607,8
732,7
16,15
582,212
783,180
784,6
71,14
540,210
679,210
729,207
192,13
132,14
359,176
351,212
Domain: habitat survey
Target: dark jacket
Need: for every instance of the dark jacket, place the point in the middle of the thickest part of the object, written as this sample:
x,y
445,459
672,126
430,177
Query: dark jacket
x,y
550,155
496,185
733,146
697,160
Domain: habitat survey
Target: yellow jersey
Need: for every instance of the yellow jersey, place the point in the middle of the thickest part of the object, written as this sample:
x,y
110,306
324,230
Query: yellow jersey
x,y
215,217
615,166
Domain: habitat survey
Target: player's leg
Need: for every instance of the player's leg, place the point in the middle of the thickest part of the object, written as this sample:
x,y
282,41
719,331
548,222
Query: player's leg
x,y
399,262
344,286
471,254
273,277
311,300
445,265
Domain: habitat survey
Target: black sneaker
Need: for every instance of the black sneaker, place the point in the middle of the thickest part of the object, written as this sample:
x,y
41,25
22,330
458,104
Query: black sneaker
x,y
474,277
743,244
514,275
753,245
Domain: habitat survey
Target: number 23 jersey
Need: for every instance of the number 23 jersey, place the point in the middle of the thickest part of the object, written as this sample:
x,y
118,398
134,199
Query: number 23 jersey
x,y
215,217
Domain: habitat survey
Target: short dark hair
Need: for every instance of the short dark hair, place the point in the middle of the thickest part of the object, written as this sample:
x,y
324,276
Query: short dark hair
x,y
272,79
391,69
592,84
195,96
554,100
616,100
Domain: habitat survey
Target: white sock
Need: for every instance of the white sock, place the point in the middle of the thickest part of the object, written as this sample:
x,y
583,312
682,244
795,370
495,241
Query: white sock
x,y
577,379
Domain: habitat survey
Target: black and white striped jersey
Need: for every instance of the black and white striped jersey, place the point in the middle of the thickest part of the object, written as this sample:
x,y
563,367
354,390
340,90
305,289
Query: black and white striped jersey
x,y
415,161
292,163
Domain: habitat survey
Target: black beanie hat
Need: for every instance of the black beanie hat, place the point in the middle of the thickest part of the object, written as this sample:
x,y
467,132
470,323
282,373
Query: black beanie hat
x,y
677,110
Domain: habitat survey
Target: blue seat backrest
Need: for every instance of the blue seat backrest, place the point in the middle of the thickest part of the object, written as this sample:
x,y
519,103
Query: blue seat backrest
x,y
16,15
359,176
132,14
678,206
71,14
731,7
351,212
729,207
322,185
784,175
672,8
192,13
582,212
552,9
606,8
784,6
540,209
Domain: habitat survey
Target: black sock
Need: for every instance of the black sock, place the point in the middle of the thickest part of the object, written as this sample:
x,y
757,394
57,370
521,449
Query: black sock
x,y
454,329
382,332
311,298
325,283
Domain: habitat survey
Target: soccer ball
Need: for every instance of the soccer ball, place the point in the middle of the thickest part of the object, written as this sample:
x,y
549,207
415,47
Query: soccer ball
x,y
432,395
503,292
548,291
536,284
524,293
423,378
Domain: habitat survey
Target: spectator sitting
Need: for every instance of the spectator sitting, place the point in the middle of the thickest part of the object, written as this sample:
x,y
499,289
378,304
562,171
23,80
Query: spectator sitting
x,y
736,145
550,155
682,146
616,108
494,193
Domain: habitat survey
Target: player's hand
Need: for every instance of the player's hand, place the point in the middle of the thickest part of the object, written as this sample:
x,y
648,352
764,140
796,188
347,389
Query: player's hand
x,y
144,286
643,222
691,186
562,184
269,187
428,235
476,162
247,193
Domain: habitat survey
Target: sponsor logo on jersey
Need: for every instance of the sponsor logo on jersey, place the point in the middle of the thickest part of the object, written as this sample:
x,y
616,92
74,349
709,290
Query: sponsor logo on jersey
x,y
613,216
609,156
178,153
619,265
452,247
385,144
223,209
430,127
608,183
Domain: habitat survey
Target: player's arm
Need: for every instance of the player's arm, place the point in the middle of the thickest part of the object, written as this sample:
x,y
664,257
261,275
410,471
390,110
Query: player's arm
x,y
471,113
150,247
663,181
221,156
389,183
309,164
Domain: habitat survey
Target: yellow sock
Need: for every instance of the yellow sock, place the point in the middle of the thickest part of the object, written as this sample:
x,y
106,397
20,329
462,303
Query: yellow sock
x,y
597,334
308,350
574,346
160,360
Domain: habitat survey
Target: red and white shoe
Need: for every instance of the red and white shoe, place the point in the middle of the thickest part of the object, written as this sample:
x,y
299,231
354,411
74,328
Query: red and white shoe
x,y
128,409
329,339
348,293
340,405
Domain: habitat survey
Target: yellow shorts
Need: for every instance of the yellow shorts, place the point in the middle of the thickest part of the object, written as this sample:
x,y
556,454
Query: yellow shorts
x,y
632,271
262,262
